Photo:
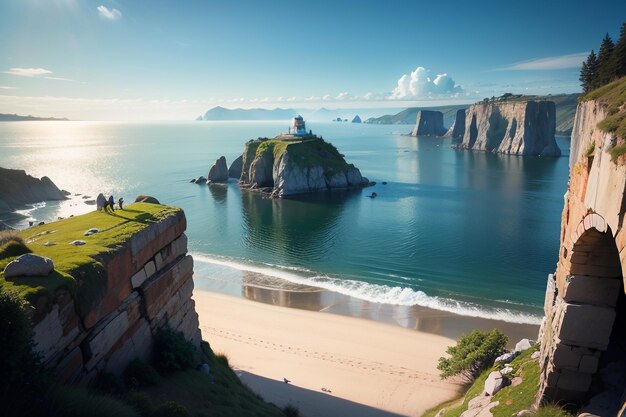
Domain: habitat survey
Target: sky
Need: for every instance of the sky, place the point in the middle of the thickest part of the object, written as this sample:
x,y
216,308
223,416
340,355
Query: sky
x,y
173,60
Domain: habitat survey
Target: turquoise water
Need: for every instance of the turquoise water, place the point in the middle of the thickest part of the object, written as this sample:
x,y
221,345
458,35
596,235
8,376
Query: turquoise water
x,y
471,233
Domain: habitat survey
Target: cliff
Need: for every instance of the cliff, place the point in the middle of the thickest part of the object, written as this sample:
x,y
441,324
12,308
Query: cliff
x,y
18,188
457,130
428,123
105,300
582,336
286,167
511,127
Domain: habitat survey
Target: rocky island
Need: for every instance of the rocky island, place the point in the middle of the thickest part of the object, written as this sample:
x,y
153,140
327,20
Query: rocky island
x,y
509,126
428,123
457,129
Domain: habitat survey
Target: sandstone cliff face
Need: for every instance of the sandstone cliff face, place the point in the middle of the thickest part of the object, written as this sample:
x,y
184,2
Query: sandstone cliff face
x,y
516,128
428,123
149,286
286,168
457,130
18,188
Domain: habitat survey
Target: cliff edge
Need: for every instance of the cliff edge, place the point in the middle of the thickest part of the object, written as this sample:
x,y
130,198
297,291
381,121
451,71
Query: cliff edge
x,y
290,166
428,123
18,188
511,127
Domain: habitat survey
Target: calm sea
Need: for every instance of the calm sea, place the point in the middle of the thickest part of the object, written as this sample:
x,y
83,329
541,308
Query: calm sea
x,y
470,233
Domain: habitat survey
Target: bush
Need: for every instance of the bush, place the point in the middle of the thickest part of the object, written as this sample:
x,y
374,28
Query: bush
x,y
171,409
140,402
473,353
174,353
291,411
140,374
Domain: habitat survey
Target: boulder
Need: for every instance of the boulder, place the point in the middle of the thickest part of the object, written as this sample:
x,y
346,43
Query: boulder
x,y
78,242
235,168
219,171
91,231
524,344
535,355
200,180
494,383
146,199
101,202
506,357
29,265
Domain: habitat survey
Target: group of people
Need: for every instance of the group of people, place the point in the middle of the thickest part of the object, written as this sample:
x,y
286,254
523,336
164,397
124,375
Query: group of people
x,y
103,203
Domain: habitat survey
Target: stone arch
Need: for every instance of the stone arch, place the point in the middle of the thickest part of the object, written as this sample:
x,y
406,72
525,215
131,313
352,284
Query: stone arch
x,y
587,327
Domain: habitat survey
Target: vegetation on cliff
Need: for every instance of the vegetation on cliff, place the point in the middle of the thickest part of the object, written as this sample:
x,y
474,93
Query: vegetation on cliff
x,y
608,65
613,95
75,264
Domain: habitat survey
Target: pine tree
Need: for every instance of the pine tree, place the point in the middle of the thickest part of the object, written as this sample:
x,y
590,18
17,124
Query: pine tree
x,y
619,54
589,72
606,72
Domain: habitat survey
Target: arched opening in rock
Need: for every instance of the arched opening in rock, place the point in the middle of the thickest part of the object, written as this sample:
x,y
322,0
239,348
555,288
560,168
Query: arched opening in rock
x,y
596,284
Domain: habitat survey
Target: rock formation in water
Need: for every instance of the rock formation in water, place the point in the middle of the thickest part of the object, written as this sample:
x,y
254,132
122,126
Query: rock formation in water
x,y
511,127
219,171
356,119
457,130
18,188
428,123
286,167
235,168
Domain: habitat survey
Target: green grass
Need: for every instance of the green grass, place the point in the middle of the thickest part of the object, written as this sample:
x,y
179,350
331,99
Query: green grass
x,y
590,150
78,263
617,151
614,95
511,399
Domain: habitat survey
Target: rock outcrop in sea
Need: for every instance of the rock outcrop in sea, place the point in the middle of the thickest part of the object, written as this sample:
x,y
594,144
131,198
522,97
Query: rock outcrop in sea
x,y
235,168
219,171
457,129
511,127
286,167
356,119
428,123
18,188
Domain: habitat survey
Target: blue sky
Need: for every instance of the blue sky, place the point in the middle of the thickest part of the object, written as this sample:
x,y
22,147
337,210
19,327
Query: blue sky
x,y
137,59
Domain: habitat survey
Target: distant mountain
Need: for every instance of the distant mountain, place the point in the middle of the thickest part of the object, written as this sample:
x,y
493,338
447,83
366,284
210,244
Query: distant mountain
x,y
18,118
565,111
221,113
408,116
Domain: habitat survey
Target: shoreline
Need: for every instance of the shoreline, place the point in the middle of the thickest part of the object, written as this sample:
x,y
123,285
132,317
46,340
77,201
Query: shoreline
x,y
336,365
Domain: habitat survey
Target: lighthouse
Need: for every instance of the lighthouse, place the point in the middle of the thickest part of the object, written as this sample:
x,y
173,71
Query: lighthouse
x,y
298,127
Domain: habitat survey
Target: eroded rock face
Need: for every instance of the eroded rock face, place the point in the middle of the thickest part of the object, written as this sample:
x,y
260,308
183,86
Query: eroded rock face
x,y
428,123
302,167
235,168
29,265
219,171
516,128
457,130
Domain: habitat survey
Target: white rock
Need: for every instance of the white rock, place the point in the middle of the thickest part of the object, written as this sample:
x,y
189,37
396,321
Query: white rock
x,y
507,370
77,242
535,355
494,383
29,265
506,357
524,344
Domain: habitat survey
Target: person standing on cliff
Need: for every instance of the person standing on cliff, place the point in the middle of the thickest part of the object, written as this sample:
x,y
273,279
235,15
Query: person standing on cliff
x,y
112,203
120,203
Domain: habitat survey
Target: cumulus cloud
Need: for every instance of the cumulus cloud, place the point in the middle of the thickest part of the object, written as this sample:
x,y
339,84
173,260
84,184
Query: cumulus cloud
x,y
111,14
28,72
548,63
419,85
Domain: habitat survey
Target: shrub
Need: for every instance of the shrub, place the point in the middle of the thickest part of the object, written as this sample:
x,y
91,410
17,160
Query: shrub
x,y
140,402
617,151
171,409
173,352
140,374
473,353
12,245
291,411
222,358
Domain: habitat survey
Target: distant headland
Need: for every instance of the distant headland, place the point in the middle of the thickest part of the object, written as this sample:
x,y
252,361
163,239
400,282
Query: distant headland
x,y
4,117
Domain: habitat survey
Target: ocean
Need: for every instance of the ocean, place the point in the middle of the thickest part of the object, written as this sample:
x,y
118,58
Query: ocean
x,y
469,233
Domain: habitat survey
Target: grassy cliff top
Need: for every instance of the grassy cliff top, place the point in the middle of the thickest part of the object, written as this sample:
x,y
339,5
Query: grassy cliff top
x,y
614,95
75,261
307,151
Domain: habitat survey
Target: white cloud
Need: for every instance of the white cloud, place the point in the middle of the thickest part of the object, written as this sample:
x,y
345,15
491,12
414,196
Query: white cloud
x,y
548,63
28,72
418,85
111,14
343,96
6,87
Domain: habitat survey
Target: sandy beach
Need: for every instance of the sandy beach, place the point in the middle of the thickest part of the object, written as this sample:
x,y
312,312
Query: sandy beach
x,y
337,365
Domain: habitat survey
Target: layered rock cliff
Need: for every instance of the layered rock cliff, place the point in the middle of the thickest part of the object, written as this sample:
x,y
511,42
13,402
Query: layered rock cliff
x,y
428,123
18,188
106,299
514,127
285,167
457,130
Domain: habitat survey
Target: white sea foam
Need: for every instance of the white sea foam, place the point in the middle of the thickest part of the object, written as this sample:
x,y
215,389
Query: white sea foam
x,y
373,292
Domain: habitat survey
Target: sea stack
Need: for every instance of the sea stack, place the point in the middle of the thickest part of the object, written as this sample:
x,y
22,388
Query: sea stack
x,y
523,127
457,129
356,119
428,123
219,171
